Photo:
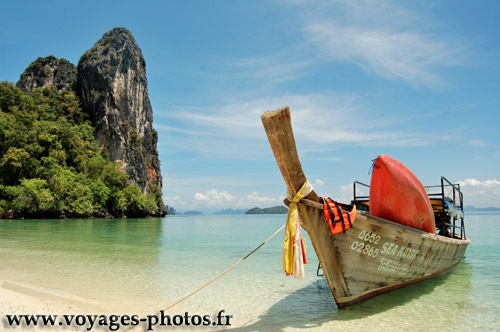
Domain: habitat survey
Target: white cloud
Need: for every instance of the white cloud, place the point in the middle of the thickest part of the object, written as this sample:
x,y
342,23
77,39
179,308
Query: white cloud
x,y
481,193
222,199
488,184
388,53
343,193
381,37
254,198
234,130
384,38
214,198
346,193
476,193
318,184
283,65
346,188
477,142
324,158
176,201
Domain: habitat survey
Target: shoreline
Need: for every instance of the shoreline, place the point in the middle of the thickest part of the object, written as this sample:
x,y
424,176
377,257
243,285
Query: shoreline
x,y
20,298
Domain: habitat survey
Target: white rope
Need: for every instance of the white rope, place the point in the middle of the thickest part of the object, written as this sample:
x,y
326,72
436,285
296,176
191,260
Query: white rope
x,y
220,275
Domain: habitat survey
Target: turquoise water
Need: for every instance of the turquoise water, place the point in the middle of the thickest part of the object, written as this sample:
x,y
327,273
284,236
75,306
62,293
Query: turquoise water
x,y
139,266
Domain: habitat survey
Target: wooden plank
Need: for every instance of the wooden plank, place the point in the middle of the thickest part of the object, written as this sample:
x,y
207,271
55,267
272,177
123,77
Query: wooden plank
x,y
358,298
400,255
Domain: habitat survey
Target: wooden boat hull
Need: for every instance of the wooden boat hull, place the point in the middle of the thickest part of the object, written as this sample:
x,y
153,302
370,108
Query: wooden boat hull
x,y
378,256
375,255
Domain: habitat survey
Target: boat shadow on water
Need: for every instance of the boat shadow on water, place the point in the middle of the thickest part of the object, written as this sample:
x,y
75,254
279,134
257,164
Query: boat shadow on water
x,y
313,305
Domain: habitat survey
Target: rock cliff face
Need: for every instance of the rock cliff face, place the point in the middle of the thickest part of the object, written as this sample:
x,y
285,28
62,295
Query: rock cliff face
x,y
48,71
111,82
113,87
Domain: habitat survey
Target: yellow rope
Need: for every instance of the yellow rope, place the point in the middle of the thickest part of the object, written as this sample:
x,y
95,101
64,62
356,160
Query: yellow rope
x,y
220,275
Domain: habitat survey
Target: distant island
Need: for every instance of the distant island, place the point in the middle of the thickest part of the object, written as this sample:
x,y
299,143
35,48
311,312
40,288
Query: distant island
x,y
192,213
487,209
271,210
230,211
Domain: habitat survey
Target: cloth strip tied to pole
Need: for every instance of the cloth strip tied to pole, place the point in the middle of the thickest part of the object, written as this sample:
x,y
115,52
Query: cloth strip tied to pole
x,y
294,250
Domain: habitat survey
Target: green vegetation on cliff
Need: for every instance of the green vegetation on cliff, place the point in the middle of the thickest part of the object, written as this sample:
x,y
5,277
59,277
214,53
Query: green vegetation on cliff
x,y
51,165
272,210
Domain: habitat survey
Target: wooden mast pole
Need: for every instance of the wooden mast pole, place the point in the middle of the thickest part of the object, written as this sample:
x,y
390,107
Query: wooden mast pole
x,y
279,132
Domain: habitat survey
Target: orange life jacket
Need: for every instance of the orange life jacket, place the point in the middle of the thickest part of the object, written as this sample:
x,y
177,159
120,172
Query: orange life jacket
x,y
338,221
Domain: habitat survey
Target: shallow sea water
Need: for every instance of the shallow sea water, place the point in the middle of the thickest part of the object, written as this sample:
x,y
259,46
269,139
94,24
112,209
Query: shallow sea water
x,y
139,266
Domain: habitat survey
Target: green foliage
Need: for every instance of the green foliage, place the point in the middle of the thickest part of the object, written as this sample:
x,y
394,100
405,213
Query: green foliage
x,y
155,136
51,165
136,203
41,62
10,96
271,210
30,197
91,54
134,137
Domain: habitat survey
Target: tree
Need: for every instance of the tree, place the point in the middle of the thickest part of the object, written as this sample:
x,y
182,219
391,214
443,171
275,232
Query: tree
x,y
51,164
14,165
31,197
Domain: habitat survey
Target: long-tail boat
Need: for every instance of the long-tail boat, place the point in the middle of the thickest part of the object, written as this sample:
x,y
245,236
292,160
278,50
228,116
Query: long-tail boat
x,y
375,255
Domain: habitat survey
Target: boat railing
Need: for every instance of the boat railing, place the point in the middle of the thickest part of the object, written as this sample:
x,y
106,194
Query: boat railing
x,y
360,200
447,203
448,208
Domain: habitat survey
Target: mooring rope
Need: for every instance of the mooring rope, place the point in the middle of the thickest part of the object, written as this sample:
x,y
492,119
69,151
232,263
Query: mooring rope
x,y
217,277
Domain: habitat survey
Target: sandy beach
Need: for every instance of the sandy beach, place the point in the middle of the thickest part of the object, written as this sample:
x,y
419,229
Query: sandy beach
x,y
23,299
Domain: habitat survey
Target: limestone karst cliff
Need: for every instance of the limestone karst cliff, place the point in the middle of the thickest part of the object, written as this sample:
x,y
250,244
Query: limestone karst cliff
x,y
110,80
113,87
47,72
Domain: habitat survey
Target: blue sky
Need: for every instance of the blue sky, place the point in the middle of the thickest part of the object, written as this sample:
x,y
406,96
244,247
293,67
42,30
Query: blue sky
x,y
416,80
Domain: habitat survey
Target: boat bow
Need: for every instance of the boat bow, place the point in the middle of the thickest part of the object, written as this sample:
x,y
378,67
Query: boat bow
x,y
279,132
